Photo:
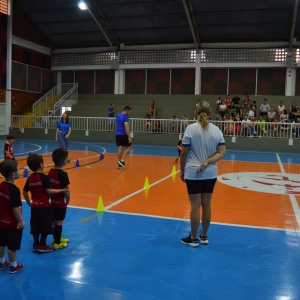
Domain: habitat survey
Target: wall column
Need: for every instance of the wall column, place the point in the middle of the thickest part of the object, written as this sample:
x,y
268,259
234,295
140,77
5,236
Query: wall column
x,y
121,81
58,81
290,81
198,75
8,65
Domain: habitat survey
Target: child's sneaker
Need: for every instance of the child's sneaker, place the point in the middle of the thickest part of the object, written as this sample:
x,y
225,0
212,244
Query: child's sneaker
x,y
62,240
35,248
45,249
13,270
59,246
5,265
203,240
190,242
176,161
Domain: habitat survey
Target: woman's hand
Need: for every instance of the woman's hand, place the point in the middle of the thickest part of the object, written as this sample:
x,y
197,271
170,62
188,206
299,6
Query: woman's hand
x,y
182,176
56,138
202,167
66,136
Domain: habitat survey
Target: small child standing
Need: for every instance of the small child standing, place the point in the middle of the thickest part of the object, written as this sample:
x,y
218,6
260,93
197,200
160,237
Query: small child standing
x,y
11,221
179,146
39,185
59,180
8,148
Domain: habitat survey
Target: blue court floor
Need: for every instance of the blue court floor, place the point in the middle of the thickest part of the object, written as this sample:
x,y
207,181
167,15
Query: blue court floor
x,y
126,256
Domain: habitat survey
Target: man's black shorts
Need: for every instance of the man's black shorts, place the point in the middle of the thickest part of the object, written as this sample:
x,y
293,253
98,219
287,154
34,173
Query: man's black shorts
x,y
122,140
59,213
179,152
200,186
42,220
11,238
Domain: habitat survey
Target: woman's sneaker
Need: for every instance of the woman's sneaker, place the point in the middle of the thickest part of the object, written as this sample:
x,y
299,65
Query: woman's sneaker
x,y
59,246
62,240
13,270
5,265
190,242
35,248
45,249
203,240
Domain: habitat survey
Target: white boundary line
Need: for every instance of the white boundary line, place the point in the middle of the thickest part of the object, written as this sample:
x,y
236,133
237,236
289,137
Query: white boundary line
x,y
137,192
292,197
40,147
92,145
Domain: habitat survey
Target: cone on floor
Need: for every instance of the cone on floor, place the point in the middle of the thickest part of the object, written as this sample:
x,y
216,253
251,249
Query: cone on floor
x,y
146,186
146,192
77,164
26,173
100,206
101,156
174,177
174,171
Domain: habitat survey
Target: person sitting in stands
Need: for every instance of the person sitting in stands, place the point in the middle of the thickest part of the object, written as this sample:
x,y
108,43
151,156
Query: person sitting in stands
x,y
219,101
185,122
232,110
246,103
245,126
236,100
275,127
158,127
280,108
253,127
241,114
223,109
238,124
293,111
271,115
153,109
148,123
174,124
296,125
252,113
230,125
283,119
224,125
261,126
227,100
264,108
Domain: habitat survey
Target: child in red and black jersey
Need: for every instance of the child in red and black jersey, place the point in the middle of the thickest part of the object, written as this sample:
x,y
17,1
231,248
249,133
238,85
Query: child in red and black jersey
x,y
8,148
179,146
11,221
39,185
59,180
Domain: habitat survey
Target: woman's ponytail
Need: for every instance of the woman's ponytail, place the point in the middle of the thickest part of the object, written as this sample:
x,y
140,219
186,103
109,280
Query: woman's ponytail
x,y
202,119
204,111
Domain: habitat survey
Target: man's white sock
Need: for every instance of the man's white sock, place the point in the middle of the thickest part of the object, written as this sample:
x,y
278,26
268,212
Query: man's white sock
x,y
2,260
13,264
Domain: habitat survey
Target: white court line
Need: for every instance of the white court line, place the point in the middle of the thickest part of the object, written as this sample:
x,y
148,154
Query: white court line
x,y
40,147
137,192
92,145
292,197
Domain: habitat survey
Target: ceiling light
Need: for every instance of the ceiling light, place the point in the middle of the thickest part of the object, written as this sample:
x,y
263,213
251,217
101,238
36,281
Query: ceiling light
x,y
82,5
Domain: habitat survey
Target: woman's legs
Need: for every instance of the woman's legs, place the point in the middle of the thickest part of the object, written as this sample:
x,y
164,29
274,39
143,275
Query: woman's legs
x,y
206,212
61,140
67,142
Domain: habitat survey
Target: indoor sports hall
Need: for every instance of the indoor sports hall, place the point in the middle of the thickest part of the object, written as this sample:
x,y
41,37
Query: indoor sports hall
x,y
94,76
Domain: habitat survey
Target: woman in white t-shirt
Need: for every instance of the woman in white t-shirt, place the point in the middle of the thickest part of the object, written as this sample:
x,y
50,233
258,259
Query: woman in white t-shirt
x,y
280,108
203,146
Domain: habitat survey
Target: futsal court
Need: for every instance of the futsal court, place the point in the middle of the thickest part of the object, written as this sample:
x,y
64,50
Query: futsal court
x,y
133,249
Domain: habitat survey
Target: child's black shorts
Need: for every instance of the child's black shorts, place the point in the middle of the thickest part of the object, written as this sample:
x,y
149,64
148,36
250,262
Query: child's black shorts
x,y
179,152
42,221
11,238
59,213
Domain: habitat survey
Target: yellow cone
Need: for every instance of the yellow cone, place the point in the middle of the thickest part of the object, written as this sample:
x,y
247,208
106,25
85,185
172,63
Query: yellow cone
x,y
146,186
146,192
100,206
174,171
174,177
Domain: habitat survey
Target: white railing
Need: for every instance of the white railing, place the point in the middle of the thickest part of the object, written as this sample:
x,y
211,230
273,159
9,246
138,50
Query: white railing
x,y
163,126
49,100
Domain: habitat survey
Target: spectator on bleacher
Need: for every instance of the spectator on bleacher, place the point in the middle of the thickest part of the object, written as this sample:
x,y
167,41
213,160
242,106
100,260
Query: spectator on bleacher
x,y
293,111
174,124
230,125
280,108
232,110
223,109
261,126
253,127
254,104
63,131
224,125
185,122
264,108
271,115
283,120
219,101
148,123
217,121
296,125
241,113
111,116
238,123
236,100
246,103
275,127
252,113
196,114
245,126
227,100
153,109
158,127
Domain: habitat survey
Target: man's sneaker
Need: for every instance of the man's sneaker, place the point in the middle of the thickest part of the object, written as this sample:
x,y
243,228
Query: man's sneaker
x,y
119,167
5,265
59,246
13,270
35,248
190,242
62,240
203,240
122,164
44,249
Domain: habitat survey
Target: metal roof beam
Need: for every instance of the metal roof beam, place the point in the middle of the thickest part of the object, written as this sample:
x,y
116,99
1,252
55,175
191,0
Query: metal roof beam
x,y
192,23
293,24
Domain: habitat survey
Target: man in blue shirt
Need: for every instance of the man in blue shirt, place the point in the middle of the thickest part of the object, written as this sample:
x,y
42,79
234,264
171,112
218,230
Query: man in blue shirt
x,y
123,138
111,115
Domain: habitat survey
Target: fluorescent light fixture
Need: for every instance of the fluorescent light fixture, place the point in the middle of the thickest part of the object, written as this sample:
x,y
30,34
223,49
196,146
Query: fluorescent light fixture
x,y
82,5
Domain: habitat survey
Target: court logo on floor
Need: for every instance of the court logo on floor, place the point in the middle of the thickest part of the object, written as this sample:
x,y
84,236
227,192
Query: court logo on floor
x,y
274,183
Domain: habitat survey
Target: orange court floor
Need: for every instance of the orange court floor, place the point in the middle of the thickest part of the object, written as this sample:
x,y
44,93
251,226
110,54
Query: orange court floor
x,y
122,190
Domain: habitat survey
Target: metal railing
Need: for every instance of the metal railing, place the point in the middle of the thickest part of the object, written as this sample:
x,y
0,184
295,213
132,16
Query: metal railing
x,y
49,100
163,126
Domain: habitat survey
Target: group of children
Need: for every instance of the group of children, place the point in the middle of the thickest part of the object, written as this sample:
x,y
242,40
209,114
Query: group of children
x,y
50,197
